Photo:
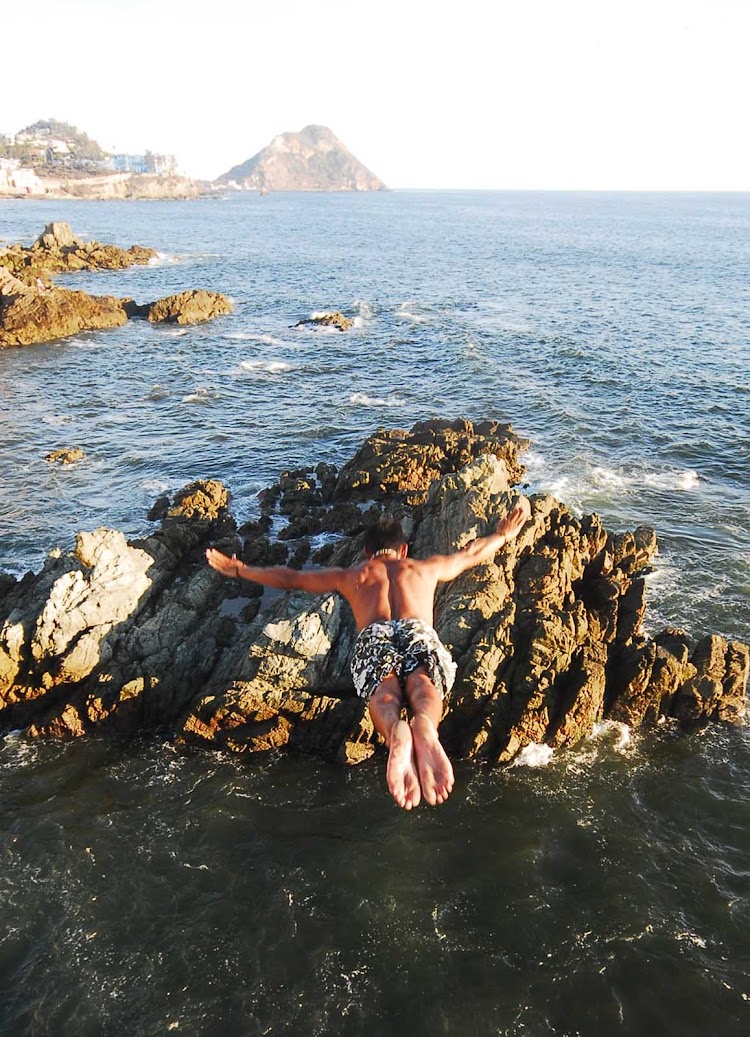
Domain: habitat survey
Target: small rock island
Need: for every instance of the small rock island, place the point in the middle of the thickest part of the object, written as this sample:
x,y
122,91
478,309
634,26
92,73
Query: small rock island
x,y
119,636
35,309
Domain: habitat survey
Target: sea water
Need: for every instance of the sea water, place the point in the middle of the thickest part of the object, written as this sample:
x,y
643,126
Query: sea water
x,y
147,890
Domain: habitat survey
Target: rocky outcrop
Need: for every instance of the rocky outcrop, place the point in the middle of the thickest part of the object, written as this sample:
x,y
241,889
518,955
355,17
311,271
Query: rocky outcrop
x,y
547,636
36,310
58,250
335,320
312,160
28,315
190,307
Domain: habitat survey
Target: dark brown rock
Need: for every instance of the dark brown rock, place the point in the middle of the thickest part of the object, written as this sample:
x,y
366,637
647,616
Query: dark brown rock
x,y
327,320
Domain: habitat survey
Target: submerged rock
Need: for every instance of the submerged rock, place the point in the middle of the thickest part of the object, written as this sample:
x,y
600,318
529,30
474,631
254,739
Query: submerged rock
x,y
66,455
327,320
547,636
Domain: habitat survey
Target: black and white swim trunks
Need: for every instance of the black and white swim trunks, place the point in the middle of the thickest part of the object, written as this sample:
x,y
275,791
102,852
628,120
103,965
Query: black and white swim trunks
x,y
400,646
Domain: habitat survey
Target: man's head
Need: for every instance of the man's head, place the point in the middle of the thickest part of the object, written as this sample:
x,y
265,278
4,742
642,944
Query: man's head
x,y
386,535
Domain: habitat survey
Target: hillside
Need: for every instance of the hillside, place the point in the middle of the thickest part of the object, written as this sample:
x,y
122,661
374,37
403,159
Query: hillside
x,y
312,160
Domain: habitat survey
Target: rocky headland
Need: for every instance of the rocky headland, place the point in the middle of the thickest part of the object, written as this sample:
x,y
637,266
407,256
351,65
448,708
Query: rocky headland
x,y
121,636
35,309
312,160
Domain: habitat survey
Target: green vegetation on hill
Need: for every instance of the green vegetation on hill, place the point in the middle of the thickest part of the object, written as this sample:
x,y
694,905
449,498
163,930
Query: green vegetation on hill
x,y
50,144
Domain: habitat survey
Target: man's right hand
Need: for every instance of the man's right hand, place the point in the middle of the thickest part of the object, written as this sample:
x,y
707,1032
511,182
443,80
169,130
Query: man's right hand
x,y
515,520
222,563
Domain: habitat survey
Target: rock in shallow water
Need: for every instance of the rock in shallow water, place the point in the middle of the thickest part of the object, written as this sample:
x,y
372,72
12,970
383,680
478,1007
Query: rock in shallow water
x,y
547,636
32,310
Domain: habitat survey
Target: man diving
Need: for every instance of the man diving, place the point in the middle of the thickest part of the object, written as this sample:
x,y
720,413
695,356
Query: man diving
x,y
398,657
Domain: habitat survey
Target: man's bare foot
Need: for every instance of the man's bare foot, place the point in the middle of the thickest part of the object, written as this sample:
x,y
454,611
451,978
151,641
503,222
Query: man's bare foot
x,y
515,520
435,770
401,774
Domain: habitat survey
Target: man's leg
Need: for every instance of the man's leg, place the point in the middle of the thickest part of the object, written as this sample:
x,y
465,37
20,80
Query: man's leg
x,y
434,767
401,773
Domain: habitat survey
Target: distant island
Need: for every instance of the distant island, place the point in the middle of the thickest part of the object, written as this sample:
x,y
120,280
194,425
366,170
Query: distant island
x,y
312,160
53,159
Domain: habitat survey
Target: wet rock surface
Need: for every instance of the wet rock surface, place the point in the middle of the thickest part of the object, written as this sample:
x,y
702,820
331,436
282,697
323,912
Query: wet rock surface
x,y
121,636
65,455
334,319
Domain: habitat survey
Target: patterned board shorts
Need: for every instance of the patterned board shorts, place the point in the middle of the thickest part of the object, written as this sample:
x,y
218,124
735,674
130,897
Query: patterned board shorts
x,y
399,646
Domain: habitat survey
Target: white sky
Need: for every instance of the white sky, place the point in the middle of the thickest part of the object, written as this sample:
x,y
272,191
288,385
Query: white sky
x,y
583,94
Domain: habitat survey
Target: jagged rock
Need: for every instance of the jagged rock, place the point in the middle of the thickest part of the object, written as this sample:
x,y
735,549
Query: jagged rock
x,y
32,310
119,635
58,249
547,636
407,463
66,455
56,236
31,316
327,320
189,307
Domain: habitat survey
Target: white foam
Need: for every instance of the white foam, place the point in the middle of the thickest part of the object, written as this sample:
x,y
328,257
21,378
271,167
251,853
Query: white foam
x,y
269,366
693,938
687,480
620,731
202,395
604,482
173,332
162,259
364,310
253,336
360,399
534,755
408,311
154,486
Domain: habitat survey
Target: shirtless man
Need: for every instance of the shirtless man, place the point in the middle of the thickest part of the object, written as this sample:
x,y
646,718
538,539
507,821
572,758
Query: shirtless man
x,y
397,656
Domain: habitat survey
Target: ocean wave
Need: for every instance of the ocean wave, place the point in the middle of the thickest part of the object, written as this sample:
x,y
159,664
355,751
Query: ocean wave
x,y
410,311
173,332
360,399
364,310
269,366
597,480
534,755
203,396
156,486
687,480
254,336
163,259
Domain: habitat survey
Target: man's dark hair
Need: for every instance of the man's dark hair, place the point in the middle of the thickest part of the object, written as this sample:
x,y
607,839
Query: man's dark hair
x,y
386,535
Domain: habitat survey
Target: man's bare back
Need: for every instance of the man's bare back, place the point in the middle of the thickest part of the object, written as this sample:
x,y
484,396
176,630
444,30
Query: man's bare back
x,y
388,586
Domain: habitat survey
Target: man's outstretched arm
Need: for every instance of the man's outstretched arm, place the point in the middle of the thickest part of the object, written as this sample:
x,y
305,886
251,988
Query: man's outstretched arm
x,y
316,581
483,548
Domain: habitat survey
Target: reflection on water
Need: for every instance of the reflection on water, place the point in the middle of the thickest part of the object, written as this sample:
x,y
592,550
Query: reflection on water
x,y
144,888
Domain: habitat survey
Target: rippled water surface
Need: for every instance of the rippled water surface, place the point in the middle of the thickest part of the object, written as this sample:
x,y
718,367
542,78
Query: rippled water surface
x,y
148,891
